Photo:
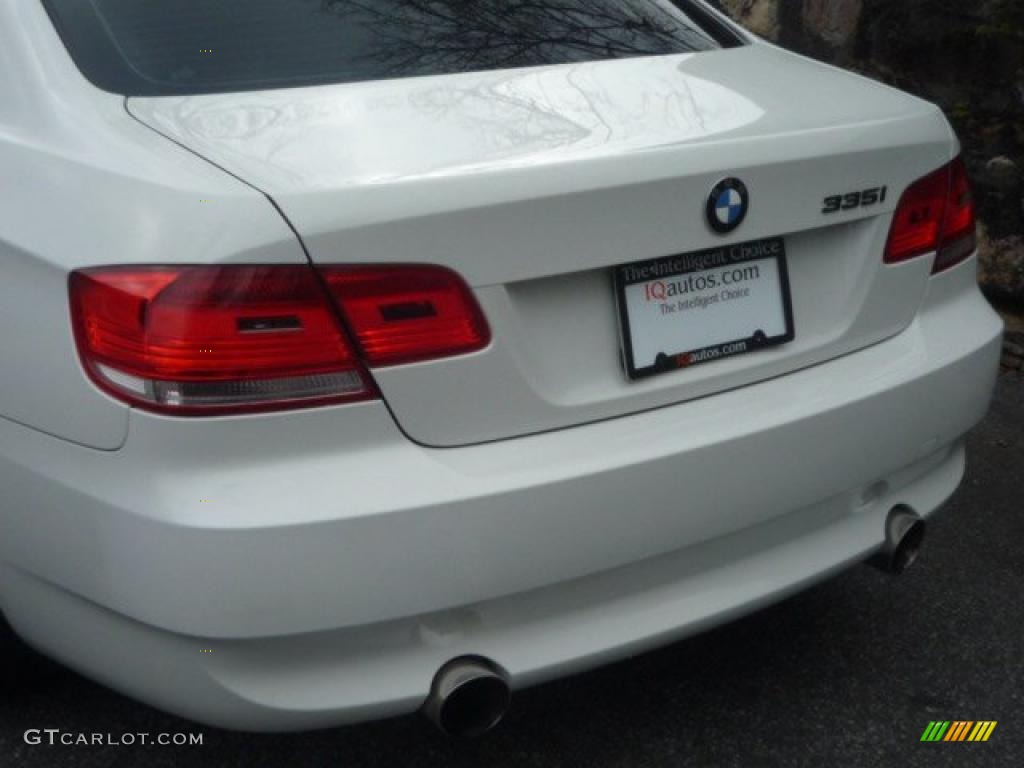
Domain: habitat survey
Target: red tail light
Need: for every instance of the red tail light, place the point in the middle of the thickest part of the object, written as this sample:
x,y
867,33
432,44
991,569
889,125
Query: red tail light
x,y
959,233
195,340
935,214
918,219
407,314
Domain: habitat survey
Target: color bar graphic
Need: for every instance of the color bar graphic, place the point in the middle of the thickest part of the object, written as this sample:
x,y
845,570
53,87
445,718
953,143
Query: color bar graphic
x,y
958,730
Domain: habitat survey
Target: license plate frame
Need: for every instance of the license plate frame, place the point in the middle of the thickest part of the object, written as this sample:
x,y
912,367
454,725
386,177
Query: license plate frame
x,y
696,264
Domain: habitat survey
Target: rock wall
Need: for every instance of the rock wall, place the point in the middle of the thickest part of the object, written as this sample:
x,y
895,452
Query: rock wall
x,y
965,55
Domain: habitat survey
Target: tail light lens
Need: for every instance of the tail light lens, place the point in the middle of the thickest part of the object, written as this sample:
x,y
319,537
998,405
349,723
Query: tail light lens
x,y
210,340
407,314
959,231
935,214
918,220
192,340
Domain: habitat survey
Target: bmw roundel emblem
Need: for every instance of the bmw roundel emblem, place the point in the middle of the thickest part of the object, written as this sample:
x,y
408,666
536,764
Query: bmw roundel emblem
x,y
727,205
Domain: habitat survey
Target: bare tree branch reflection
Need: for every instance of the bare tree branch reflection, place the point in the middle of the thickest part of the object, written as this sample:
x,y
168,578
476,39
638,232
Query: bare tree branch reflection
x,y
425,36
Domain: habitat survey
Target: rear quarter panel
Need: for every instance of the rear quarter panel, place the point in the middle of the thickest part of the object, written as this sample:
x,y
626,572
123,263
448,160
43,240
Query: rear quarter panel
x,y
84,185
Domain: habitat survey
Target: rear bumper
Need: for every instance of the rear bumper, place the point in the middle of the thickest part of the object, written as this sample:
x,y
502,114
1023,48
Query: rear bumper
x,y
333,566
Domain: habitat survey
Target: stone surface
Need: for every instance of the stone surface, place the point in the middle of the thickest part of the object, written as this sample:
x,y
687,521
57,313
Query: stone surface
x,y
834,21
1001,270
1013,353
1015,345
1002,172
759,16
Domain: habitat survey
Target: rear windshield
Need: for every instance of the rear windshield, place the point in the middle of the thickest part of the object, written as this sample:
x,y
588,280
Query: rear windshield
x,y
164,47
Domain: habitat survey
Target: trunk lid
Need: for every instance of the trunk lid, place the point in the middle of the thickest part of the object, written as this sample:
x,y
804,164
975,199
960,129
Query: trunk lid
x,y
535,183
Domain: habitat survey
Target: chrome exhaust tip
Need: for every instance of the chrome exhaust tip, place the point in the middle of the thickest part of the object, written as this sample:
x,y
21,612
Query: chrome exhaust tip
x,y
469,696
904,535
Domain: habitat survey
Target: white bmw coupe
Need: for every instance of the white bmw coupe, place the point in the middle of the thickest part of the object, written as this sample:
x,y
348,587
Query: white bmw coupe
x,y
362,357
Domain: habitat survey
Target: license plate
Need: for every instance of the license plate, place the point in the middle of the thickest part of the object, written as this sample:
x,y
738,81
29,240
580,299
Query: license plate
x,y
684,310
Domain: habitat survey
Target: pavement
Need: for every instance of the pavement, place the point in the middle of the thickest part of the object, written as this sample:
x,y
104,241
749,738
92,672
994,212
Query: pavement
x,y
848,673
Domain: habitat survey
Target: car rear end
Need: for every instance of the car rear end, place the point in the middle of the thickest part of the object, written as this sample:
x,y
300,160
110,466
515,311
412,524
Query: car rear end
x,y
540,365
